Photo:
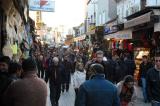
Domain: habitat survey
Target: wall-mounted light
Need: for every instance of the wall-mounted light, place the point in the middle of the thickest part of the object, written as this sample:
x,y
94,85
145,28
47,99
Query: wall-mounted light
x,y
108,39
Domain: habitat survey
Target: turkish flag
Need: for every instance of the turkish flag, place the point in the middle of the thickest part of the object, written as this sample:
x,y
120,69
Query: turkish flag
x,y
43,2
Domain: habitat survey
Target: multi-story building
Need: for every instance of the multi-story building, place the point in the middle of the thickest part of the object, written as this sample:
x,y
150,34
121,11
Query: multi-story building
x,y
99,12
58,34
79,35
137,23
106,11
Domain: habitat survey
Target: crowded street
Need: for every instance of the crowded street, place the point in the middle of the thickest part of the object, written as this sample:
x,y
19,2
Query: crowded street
x,y
68,98
79,52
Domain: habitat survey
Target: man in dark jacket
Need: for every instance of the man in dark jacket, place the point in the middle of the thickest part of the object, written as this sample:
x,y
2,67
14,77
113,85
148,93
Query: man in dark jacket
x,y
131,66
4,76
97,91
108,65
55,81
28,91
153,82
144,67
66,73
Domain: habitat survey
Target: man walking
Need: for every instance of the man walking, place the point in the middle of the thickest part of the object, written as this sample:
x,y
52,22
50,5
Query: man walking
x,y
108,65
153,82
97,91
28,91
144,67
55,81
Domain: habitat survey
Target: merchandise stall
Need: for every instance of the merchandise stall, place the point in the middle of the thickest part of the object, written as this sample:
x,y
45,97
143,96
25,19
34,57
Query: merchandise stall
x,y
138,53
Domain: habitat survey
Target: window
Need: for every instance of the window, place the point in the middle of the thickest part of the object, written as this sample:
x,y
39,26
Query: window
x,y
91,19
100,19
152,2
103,17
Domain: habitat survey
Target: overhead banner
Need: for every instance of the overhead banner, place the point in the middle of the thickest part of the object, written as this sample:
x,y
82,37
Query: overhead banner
x,y
42,5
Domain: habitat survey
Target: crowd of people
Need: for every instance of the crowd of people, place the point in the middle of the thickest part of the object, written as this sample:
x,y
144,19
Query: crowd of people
x,y
98,80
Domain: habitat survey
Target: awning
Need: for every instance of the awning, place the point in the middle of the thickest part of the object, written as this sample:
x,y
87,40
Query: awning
x,y
82,37
125,34
139,20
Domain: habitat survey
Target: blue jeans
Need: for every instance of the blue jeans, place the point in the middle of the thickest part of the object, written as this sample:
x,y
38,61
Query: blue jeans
x,y
155,103
144,88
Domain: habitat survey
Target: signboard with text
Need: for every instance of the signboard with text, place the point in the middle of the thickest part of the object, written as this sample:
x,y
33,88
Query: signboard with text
x,y
42,5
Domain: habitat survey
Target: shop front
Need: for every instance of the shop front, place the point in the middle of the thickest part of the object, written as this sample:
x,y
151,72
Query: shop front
x,y
80,42
145,34
119,40
145,29
68,42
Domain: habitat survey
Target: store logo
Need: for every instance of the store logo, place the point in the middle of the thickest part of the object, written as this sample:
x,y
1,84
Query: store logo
x,y
43,2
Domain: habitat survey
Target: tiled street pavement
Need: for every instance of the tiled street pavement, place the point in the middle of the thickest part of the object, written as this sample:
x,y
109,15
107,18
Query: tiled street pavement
x,y
68,98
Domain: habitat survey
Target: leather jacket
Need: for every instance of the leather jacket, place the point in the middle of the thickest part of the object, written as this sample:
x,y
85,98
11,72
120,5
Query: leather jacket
x,y
153,84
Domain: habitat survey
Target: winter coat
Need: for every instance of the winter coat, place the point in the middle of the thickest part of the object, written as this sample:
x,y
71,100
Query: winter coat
x,y
144,69
66,72
78,78
153,84
131,66
120,71
97,92
28,91
55,74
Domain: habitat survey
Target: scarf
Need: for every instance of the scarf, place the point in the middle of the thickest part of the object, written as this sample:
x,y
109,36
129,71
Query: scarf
x,y
126,94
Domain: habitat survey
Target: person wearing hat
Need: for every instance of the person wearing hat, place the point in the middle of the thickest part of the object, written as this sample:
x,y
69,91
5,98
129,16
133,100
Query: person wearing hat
x,y
28,91
97,91
55,81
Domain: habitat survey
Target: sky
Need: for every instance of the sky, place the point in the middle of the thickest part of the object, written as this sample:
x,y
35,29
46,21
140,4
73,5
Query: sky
x,y
69,13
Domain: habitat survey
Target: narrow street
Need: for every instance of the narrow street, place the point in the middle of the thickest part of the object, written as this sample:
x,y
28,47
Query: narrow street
x,y
68,98
71,41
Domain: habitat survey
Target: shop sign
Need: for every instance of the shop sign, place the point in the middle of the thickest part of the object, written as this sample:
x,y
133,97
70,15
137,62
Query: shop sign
x,y
139,20
126,34
92,27
123,36
79,38
42,5
108,30
91,32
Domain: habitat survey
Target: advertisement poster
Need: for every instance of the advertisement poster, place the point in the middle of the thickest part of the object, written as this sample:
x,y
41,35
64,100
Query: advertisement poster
x,y
42,5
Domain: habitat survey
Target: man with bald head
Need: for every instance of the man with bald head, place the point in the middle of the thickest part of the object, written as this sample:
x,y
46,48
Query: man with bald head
x,y
55,80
